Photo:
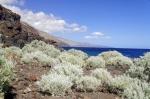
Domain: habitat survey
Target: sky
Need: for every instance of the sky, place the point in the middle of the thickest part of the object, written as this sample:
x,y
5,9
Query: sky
x,y
114,23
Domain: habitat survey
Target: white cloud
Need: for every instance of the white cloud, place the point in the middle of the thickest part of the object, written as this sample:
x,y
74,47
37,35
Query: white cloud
x,y
91,37
10,2
42,21
97,35
7,1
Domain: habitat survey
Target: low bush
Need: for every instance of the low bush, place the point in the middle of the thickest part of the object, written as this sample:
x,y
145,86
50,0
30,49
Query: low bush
x,y
13,53
39,58
6,73
141,70
67,69
36,45
110,54
120,62
87,83
119,84
129,88
55,84
69,58
1,95
136,90
137,72
78,53
94,62
103,75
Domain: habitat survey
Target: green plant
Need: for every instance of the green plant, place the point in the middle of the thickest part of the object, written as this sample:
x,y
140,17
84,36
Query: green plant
x,y
120,62
103,75
87,83
67,69
6,73
1,95
78,53
12,53
137,90
137,72
129,88
39,58
110,54
55,84
95,62
36,45
69,58
141,70
119,84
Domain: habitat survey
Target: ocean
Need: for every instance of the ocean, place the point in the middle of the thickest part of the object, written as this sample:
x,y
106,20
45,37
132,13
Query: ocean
x,y
132,53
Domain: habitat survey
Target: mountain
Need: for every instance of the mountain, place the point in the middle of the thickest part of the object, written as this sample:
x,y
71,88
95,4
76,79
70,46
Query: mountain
x,y
17,33
60,41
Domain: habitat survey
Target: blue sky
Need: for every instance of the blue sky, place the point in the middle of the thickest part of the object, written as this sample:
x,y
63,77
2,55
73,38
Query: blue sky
x,y
116,23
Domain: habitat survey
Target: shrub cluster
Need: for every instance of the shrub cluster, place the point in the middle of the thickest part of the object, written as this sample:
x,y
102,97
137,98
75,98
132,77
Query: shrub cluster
x,y
116,59
13,53
6,73
103,75
67,69
39,58
67,57
36,45
129,88
78,53
119,83
1,95
55,84
119,62
141,68
137,90
95,62
88,83
110,54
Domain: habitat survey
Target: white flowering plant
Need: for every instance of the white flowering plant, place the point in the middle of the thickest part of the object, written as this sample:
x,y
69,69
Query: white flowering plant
x,y
55,84
94,62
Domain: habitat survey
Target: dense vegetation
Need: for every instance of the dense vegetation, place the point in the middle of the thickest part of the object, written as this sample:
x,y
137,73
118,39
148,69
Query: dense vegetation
x,y
67,70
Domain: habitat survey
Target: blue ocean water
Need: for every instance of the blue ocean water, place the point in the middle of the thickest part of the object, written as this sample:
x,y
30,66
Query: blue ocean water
x,y
132,53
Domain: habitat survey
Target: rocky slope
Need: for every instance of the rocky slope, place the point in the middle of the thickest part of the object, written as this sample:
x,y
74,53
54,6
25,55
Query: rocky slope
x,y
17,33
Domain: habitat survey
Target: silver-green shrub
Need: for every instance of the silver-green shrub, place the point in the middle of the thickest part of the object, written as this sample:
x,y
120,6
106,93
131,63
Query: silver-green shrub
x,y
119,83
36,45
78,53
141,70
1,95
39,58
6,73
120,62
67,69
110,54
55,84
13,53
69,58
94,62
103,75
88,83
137,90
137,72
129,88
